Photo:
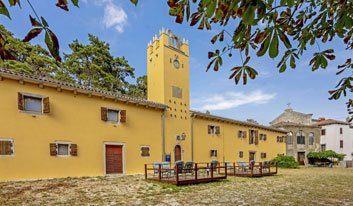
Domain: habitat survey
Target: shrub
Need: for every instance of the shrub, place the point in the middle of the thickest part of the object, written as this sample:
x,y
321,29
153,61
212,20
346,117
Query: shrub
x,y
328,154
285,162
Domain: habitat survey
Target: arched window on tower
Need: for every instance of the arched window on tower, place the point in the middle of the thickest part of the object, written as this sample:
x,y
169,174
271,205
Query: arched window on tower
x,y
174,41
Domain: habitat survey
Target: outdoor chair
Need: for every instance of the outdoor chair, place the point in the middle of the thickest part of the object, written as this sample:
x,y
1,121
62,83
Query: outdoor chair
x,y
155,168
230,166
266,165
179,166
166,169
213,166
189,167
243,166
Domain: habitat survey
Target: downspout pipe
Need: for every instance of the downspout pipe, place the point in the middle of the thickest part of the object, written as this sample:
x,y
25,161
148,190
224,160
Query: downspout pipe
x,y
192,137
163,135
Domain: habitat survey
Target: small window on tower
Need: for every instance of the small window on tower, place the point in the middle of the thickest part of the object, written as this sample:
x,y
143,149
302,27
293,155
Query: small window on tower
x,y
177,92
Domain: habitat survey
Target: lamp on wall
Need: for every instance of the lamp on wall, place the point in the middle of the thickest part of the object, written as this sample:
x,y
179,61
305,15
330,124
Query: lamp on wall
x,y
183,136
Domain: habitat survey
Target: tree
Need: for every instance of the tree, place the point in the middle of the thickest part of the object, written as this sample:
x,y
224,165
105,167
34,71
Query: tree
x,y
140,88
93,66
30,59
89,65
284,29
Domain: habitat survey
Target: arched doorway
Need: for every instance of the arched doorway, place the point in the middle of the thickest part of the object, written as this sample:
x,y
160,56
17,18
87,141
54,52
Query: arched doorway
x,y
177,153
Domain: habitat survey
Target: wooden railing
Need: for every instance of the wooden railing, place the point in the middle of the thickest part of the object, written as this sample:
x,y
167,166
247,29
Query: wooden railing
x,y
257,169
199,172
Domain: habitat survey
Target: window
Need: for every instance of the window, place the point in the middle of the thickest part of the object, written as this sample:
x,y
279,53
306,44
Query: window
x,y
241,154
341,143
63,149
323,132
341,130
213,153
323,147
145,151
6,147
113,115
177,92
263,155
311,138
280,138
174,41
290,138
300,137
212,129
263,137
242,134
254,137
300,140
33,103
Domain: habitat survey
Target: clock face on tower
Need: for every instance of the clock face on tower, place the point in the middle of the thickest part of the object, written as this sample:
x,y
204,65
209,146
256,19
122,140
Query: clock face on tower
x,y
176,63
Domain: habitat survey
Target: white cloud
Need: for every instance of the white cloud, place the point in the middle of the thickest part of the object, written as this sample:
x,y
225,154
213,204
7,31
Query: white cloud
x,y
114,17
232,100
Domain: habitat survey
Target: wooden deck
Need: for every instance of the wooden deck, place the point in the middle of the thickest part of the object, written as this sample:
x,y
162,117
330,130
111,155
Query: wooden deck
x,y
201,173
257,170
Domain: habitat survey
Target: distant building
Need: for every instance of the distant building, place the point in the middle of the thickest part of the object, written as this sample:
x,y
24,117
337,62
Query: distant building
x,y
337,136
303,136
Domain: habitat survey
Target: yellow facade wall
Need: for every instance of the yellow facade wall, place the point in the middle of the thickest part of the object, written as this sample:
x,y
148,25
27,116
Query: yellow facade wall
x,y
76,119
228,144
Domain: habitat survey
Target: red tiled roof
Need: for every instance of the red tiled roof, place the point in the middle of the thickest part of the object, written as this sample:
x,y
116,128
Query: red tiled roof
x,y
81,89
323,122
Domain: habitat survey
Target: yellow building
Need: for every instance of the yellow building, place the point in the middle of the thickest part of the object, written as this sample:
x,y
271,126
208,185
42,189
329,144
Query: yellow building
x,y
54,129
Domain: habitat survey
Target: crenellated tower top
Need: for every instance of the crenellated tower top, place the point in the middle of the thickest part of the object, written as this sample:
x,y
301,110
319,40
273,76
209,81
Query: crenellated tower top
x,y
167,38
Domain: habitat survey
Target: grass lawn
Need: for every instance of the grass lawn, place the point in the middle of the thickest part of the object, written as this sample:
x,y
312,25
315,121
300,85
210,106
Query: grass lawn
x,y
305,186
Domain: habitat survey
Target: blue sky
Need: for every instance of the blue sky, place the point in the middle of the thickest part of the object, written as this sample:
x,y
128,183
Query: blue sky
x,y
128,29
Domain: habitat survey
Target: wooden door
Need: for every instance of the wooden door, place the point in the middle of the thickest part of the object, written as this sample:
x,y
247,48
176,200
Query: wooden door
x,y
114,159
177,153
301,158
251,156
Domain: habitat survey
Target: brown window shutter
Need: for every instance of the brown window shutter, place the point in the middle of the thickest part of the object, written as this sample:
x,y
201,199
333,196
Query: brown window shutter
x,y
265,137
239,134
104,114
8,150
123,116
20,101
250,138
218,130
245,134
73,149
2,147
46,105
53,149
256,137
209,129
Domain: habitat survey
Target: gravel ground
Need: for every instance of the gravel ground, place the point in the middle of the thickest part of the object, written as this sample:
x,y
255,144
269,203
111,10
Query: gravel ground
x,y
305,186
